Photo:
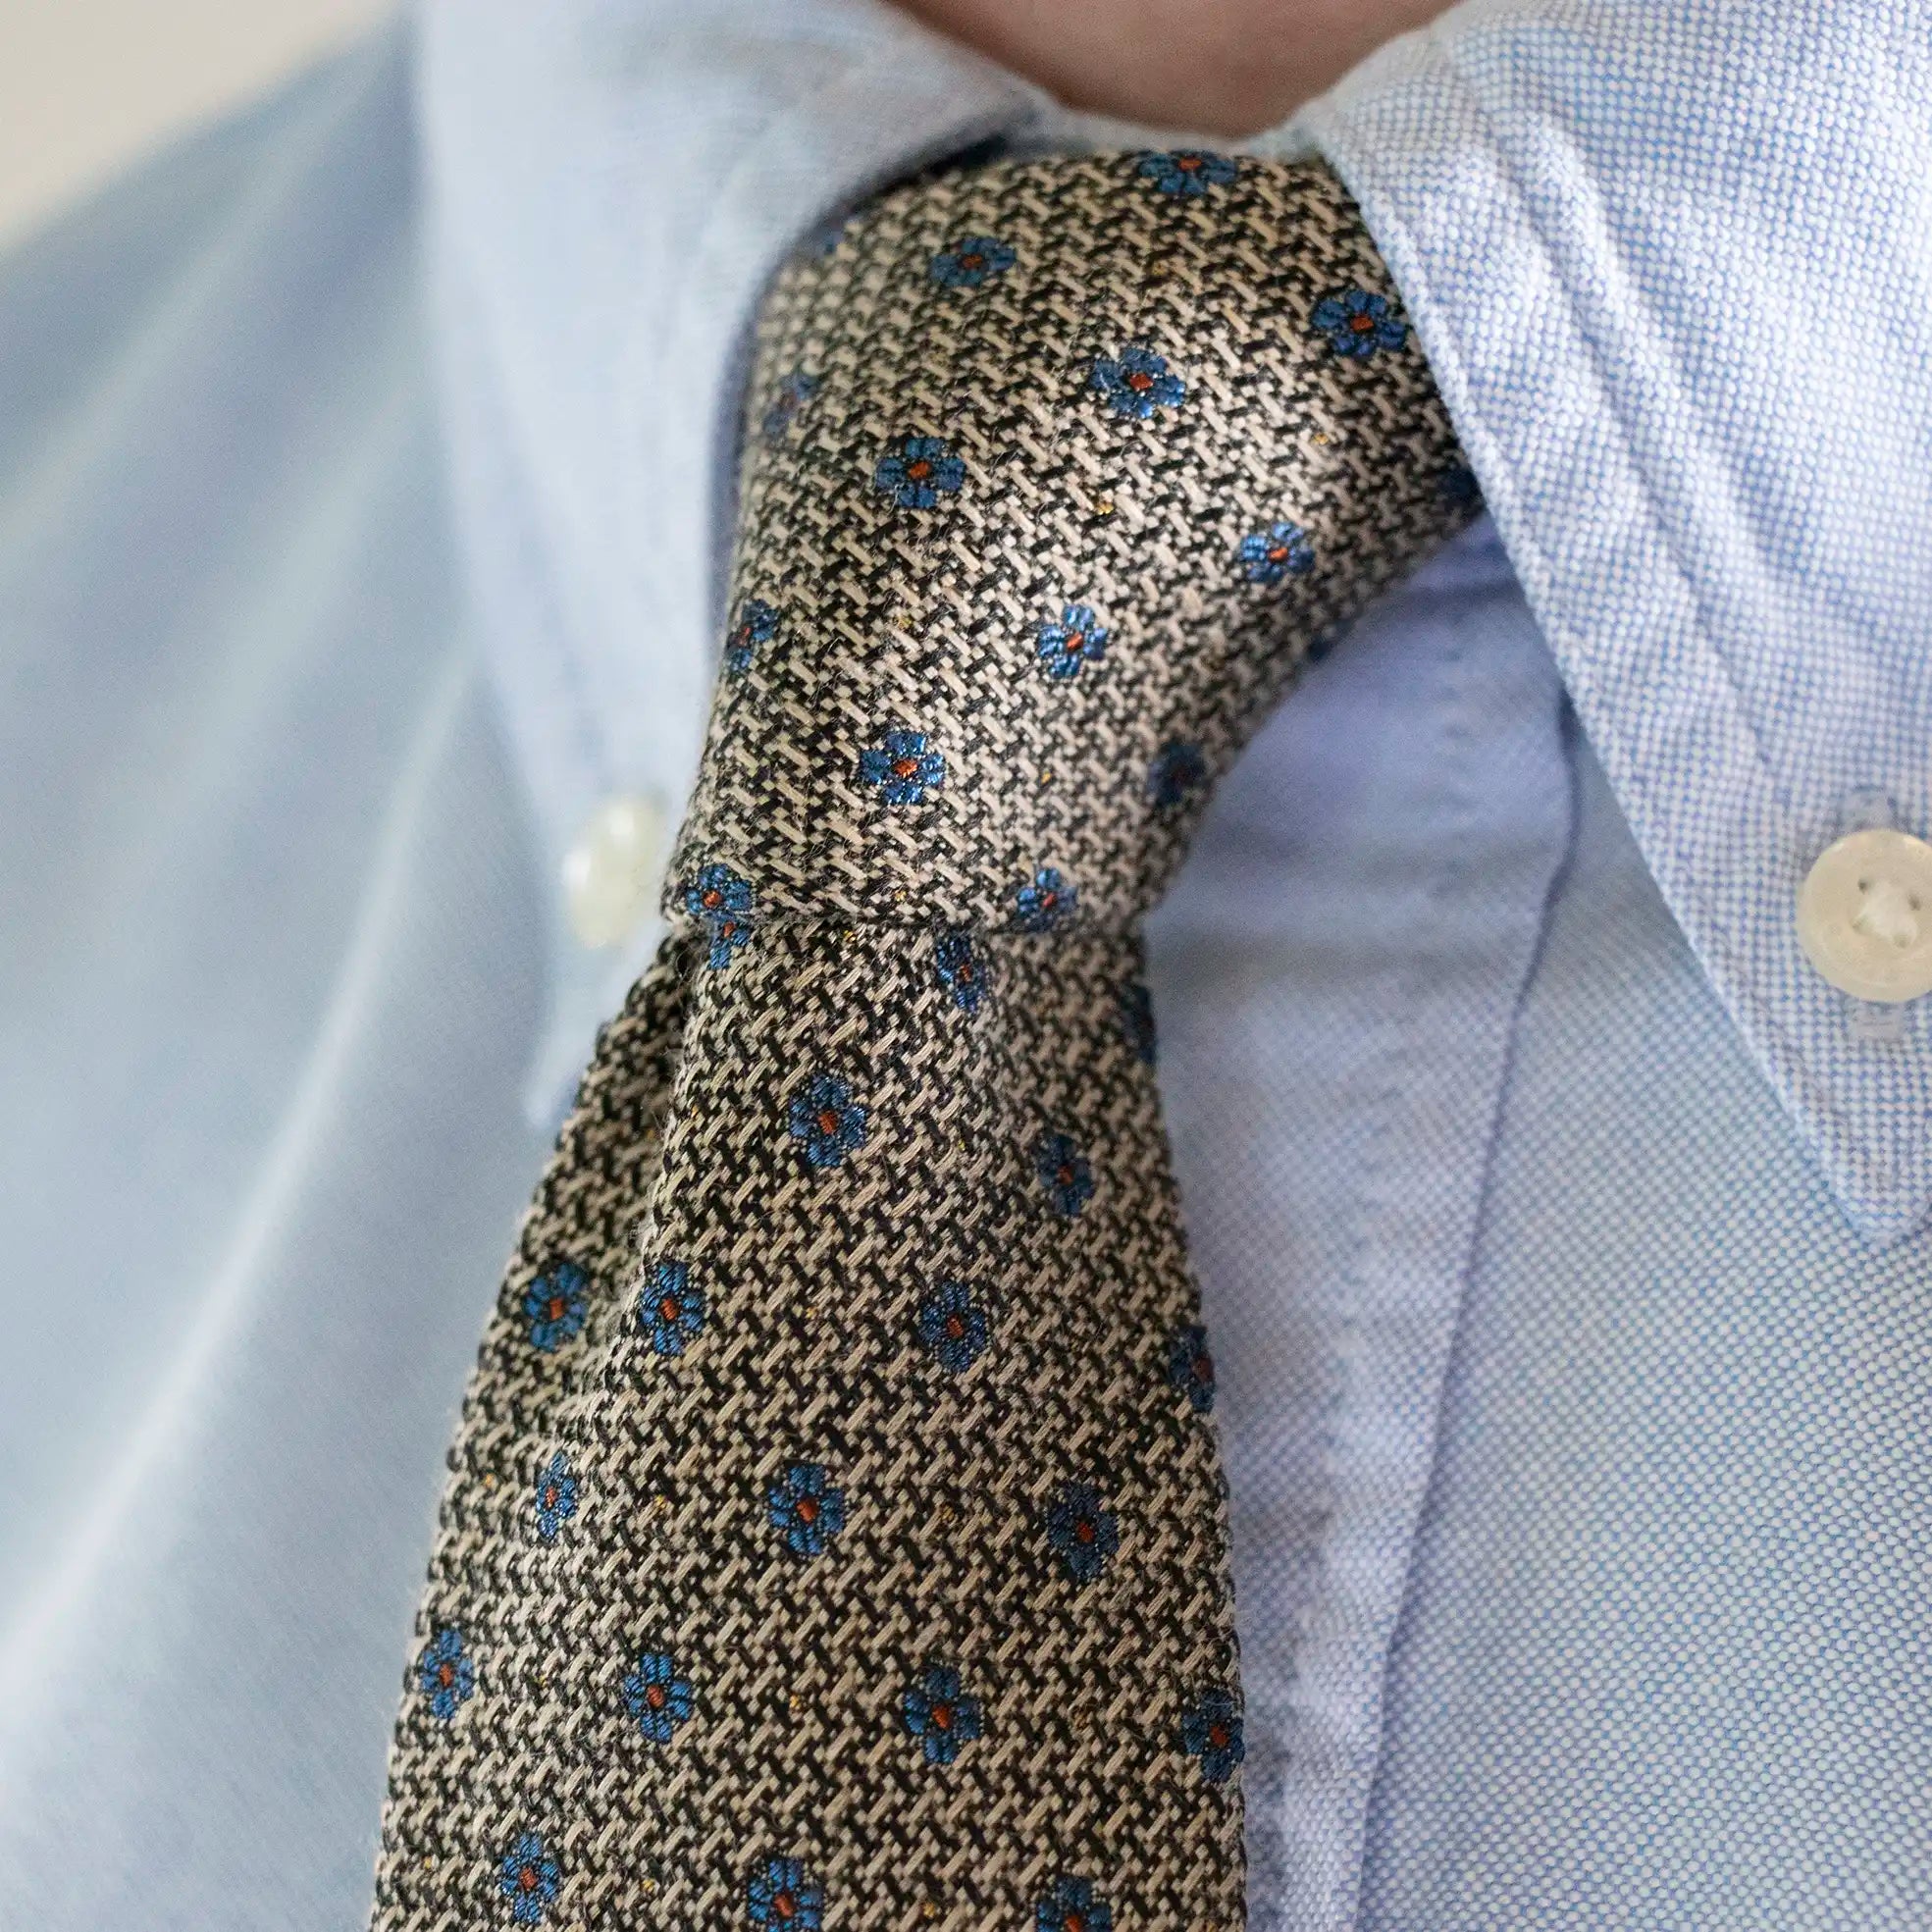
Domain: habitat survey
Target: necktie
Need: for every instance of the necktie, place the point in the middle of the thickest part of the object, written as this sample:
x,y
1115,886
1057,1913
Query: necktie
x,y
835,1534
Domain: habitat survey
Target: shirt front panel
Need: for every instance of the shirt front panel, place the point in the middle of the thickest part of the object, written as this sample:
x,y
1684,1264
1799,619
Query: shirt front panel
x,y
1667,1657
1335,978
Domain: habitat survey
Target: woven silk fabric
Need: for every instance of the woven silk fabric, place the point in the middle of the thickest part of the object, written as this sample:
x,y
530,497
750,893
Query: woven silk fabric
x,y
836,1534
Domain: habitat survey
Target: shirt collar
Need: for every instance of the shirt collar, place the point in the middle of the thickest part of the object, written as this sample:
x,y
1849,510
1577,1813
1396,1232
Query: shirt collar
x,y
1671,266
1653,297
611,184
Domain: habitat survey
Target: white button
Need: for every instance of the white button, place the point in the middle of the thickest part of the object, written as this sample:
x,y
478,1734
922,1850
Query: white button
x,y
611,873
1864,915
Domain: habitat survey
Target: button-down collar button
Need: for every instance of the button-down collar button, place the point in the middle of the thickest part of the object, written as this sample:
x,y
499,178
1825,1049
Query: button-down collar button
x,y
1864,915
611,871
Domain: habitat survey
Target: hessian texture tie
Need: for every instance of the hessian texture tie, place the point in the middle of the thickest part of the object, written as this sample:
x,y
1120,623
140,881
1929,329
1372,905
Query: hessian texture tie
x,y
836,1535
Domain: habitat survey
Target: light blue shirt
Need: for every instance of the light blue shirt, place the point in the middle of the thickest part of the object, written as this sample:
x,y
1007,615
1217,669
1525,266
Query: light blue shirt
x,y
1562,1234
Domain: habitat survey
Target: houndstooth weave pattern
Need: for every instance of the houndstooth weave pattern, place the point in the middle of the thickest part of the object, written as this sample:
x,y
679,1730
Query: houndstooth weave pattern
x,y
835,1534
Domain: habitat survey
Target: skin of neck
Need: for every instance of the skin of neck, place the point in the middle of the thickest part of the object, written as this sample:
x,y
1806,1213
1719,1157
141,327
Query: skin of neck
x,y
1217,67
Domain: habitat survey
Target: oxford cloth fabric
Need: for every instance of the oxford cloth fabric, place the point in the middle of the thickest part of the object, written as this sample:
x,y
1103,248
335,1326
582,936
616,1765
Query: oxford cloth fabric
x,y
837,1534
297,738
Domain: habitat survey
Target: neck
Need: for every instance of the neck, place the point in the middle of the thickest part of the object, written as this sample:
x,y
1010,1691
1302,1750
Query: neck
x,y
1224,66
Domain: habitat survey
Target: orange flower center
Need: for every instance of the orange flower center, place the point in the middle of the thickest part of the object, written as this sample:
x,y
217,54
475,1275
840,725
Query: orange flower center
x,y
942,1717
954,1329
668,1308
1362,323
828,1121
904,767
919,471
1218,1734
1140,379
655,1696
1187,163
808,1510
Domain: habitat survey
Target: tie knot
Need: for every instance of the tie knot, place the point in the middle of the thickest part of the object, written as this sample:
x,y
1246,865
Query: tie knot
x,y
1056,471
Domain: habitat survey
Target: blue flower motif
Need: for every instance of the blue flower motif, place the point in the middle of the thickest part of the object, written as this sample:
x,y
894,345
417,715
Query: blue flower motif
x,y
953,1326
723,901
972,260
1044,901
785,1898
805,1509
903,768
1178,772
1281,551
1070,642
794,392
1082,1534
1358,322
529,1879
1072,1905
1211,1729
657,1697
444,1675
1190,1368
1064,1172
556,1304
920,471
1137,1021
757,623
826,1117
940,1714
1136,383
1457,487
1187,171
960,968
670,1307
556,1496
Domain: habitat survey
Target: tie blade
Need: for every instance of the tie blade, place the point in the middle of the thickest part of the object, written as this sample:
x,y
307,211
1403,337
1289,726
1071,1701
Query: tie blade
x,y
894,1559
836,1534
